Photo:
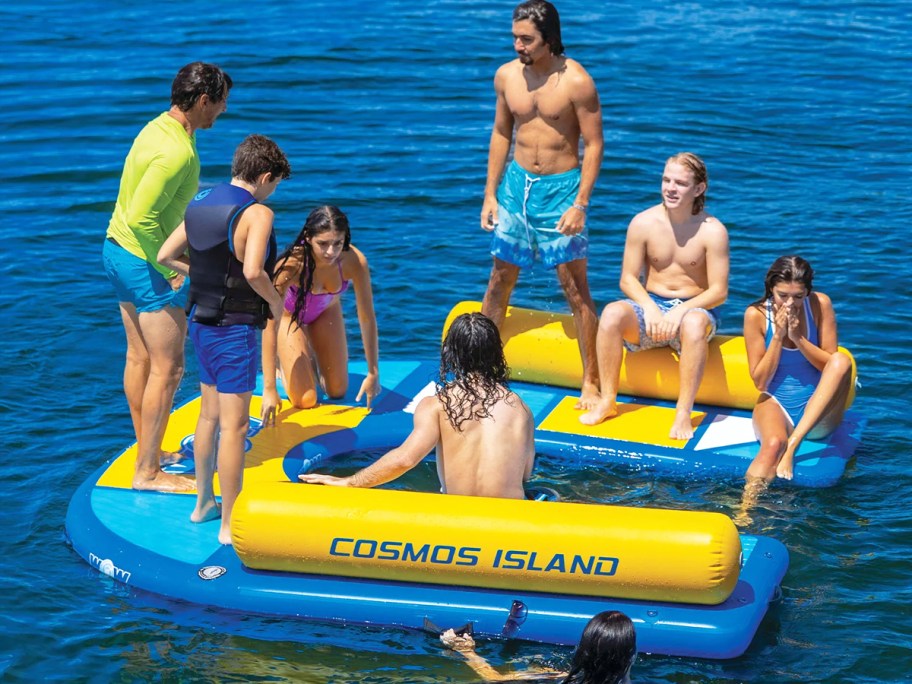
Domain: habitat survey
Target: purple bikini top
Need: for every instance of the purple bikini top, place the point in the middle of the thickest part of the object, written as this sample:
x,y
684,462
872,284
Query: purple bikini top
x,y
315,303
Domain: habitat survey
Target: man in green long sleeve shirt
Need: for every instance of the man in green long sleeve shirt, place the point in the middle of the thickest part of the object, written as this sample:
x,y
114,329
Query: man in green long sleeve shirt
x,y
160,177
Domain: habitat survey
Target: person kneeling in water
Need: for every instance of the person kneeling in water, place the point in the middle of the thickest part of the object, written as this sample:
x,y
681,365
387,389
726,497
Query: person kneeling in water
x,y
482,431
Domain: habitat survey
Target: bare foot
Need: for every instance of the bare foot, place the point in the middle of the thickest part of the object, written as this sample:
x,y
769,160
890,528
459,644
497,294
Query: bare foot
x,y
208,511
742,519
589,397
164,482
786,466
169,458
682,427
602,411
225,535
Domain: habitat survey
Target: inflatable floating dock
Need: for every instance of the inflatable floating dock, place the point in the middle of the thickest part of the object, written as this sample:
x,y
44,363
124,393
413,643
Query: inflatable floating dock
x,y
534,570
546,370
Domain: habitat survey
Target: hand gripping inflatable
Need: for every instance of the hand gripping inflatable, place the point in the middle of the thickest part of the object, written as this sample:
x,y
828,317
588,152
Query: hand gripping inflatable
x,y
541,347
566,548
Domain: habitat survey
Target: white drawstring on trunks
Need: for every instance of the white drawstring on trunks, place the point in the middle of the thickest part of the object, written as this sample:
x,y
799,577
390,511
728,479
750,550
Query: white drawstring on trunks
x,y
526,191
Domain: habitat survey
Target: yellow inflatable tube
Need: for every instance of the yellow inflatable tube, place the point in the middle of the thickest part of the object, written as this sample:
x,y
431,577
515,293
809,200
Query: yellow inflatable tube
x,y
564,548
541,347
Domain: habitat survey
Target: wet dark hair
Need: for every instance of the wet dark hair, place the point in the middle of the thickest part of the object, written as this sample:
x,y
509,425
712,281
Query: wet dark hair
x,y
545,18
257,155
473,370
787,269
605,651
323,219
698,167
196,79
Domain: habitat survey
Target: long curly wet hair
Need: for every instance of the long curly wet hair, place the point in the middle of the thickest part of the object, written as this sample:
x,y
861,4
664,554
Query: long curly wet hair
x,y
323,219
473,371
605,652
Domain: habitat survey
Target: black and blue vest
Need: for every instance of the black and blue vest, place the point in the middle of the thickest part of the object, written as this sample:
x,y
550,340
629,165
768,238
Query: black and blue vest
x,y
219,293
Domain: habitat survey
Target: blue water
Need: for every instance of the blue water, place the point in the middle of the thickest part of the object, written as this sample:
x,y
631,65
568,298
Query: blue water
x,y
800,108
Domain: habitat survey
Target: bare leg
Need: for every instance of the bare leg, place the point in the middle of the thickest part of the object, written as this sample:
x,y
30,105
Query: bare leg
x,y
618,322
296,364
136,374
823,412
136,369
500,286
753,489
772,429
204,440
694,349
572,277
330,349
234,417
164,332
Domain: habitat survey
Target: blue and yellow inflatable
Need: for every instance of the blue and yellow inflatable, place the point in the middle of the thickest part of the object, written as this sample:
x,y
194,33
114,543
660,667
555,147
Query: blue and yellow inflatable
x,y
534,570
542,352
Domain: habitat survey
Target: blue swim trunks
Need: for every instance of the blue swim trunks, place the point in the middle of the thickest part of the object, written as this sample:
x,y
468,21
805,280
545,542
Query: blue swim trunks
x,y
666,305
529,207
227,356
137,282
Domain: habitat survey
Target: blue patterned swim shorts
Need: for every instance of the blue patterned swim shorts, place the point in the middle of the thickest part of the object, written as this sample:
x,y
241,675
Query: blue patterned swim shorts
x,y
529,207
666,305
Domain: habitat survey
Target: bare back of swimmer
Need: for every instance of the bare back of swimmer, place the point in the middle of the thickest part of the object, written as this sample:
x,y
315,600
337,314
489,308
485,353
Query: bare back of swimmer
x,y
483,432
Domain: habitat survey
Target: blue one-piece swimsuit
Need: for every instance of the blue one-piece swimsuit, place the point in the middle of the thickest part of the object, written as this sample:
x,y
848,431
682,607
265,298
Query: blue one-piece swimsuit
x,y
796,378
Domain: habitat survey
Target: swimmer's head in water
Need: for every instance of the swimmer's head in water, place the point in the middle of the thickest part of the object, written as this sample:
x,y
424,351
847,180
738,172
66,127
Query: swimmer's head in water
x,y
473,370
197,79
545,18
788,269
606,650
324,219
696,166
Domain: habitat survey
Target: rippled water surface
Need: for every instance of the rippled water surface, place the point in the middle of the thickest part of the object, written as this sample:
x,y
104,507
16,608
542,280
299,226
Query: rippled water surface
x,y
801,109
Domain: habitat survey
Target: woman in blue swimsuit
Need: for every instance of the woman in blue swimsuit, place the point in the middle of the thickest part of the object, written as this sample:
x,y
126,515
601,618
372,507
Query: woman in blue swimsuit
x,y
312,349
790,335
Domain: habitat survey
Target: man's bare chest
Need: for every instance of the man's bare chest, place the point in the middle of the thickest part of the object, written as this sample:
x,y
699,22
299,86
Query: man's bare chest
x,y
664,251
548,102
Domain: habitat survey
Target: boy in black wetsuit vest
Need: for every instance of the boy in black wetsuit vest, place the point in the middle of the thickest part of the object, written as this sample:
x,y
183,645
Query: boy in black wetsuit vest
x,y
232,251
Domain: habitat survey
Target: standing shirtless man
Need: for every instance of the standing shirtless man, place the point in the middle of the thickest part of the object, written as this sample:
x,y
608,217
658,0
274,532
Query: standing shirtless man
x,y
482,431
683,253
539,209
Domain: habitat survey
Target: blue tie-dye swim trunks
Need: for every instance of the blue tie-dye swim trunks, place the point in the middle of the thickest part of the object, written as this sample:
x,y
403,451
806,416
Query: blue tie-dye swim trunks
x,y
665,305
529,207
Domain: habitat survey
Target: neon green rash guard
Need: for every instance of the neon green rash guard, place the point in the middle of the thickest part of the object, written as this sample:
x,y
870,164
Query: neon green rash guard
x,y
160,177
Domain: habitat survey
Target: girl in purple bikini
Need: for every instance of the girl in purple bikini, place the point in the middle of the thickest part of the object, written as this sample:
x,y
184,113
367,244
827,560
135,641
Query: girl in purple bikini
x,y
312,349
